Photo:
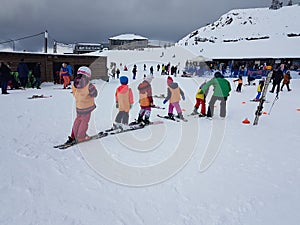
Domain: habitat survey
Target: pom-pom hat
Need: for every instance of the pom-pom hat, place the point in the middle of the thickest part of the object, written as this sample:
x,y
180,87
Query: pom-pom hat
x,y
83,70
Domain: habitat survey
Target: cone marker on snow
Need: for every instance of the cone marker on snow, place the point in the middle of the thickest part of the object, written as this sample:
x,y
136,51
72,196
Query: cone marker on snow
x,y
246,121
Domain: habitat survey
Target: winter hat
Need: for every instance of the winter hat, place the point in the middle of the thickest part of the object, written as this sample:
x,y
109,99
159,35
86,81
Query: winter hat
x,y
124,80
83,70
218,74
149,79
169,80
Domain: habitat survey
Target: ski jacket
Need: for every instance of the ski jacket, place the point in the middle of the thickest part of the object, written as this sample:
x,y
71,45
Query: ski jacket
x,y
124,97
277,76
260,86
221,86
200,94
145,91
286,78
23,70
84,98
5,75
64,71
174,93
37,71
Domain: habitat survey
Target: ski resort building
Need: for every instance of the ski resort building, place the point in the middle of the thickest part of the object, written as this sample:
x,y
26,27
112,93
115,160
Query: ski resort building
x,y
128,41
51,63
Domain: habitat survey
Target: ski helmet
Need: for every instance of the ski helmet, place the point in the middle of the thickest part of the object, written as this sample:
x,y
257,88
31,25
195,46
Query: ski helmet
x,y
83,70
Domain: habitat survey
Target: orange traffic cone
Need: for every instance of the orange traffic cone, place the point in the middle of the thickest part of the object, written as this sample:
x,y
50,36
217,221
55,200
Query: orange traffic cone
x,y
246,121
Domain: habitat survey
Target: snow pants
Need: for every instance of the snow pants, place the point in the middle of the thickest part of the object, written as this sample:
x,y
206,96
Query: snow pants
x,y
122,117
66,81
202,103
80,126
177,107
210,111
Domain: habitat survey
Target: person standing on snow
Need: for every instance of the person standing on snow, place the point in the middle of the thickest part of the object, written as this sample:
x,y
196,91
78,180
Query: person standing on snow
x,y
286,81
200,100
84,93
240,84
64,73
5,76
134,71
146,100
260,88
173,96
221,92
277,77
23,72
124,101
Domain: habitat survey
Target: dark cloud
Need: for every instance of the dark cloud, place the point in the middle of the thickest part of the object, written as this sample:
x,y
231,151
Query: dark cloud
x,y
96,21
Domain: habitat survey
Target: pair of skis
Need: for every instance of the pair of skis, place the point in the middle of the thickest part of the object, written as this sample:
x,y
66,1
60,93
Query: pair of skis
x,y
109,132
172,118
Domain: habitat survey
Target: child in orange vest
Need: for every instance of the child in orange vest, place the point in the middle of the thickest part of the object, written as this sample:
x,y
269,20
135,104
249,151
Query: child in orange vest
x,y
84,93
240,84
124,101
146,100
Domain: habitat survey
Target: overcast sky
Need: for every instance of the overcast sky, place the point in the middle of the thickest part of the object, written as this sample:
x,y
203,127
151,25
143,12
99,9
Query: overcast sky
x,y
97,20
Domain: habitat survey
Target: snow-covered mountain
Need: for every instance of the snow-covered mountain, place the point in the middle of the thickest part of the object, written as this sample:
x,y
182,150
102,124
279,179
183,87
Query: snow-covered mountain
x,y
258,32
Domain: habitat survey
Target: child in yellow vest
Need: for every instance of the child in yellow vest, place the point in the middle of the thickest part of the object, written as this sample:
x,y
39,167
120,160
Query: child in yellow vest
x,y
84,93
200,100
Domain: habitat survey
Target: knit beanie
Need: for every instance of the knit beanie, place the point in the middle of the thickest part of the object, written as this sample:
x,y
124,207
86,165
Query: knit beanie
x,y
169,80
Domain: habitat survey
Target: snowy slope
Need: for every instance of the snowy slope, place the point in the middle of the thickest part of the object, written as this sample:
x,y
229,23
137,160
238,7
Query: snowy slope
x,y
254,178
248,33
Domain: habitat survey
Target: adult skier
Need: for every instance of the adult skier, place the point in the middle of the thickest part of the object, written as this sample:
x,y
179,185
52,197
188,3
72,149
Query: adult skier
x,y
221,92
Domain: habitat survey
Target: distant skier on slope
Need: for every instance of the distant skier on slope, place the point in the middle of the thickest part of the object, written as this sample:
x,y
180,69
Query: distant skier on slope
x,y
146,100
221,92
124,101
173,96
84,93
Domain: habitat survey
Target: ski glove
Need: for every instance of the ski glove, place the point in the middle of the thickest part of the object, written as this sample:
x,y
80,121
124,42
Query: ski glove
x,y
117,105
165,101
130,106
183,97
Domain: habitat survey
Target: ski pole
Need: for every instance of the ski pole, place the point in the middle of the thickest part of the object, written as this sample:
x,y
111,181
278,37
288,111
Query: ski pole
x,y
276,98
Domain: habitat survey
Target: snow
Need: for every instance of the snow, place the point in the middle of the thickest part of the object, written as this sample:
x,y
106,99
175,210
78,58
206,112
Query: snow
x,y
252,179
199,172
239,25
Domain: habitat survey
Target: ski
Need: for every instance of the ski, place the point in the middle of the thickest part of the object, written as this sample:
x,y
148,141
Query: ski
x,y
67,145
157,107
159,96
262,100
173,119
39,96
108,132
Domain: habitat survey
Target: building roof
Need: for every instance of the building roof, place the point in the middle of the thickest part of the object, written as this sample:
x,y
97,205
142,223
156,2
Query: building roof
x,y
128,37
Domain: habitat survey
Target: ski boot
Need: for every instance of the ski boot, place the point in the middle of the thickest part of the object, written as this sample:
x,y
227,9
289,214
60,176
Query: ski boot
x,y
171,116
195,112
70,141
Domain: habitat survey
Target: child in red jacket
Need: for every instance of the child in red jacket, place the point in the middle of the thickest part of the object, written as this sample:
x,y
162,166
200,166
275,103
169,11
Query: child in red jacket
x,y
124,101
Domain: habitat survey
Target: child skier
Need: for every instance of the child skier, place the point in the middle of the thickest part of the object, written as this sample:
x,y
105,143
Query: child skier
x,y
84,93
260,88
64,73
124,101
146,100
240,84
173,96
200,100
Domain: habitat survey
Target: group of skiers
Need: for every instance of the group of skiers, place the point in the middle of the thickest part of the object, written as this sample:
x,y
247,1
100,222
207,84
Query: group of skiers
x,y
85,93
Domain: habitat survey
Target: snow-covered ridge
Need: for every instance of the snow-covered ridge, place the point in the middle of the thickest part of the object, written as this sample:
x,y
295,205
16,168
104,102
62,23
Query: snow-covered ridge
x,y
245,26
